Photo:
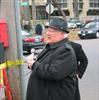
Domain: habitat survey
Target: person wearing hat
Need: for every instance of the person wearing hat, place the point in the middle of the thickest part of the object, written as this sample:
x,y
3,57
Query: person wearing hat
x,y
53,75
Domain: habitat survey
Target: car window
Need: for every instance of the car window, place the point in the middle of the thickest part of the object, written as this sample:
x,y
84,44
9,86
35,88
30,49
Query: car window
x,y
97,25
25,34
90,25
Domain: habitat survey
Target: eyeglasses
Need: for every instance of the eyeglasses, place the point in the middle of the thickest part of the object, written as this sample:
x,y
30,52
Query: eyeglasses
x,y
50,30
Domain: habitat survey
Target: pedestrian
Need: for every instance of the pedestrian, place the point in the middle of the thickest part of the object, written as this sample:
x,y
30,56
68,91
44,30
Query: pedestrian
x,y
82,62
53,74
38,29
26,26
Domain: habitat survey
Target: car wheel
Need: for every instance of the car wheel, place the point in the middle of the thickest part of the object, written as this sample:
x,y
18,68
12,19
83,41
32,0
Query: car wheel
x,y
97,34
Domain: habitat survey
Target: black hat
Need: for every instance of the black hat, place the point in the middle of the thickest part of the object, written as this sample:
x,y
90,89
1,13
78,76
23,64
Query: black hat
x,y
59,24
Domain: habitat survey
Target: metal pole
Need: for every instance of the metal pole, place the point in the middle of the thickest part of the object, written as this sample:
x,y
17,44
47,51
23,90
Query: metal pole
x,y
33,10
49,11
33,14
49,3
19,39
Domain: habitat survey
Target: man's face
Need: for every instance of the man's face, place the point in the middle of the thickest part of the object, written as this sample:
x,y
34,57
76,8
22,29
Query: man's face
x,y
53,35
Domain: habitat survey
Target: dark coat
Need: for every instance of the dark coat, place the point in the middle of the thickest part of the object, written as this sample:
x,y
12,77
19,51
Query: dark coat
x,y
52,78
82,59
38,29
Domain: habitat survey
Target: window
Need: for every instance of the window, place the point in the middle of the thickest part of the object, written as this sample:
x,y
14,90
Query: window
x,y
80,0
80,6
62,3
79,3
94,3
90,25
40,12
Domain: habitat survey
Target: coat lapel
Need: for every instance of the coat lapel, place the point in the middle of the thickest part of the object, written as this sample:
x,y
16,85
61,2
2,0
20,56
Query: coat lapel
x,y
44,53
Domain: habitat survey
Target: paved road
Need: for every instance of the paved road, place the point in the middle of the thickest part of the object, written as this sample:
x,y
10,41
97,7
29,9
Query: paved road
x,y
89,84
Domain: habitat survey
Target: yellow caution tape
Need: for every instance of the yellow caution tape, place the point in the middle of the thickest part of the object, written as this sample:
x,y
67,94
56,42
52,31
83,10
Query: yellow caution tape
x,y
1,77
9,64
2,66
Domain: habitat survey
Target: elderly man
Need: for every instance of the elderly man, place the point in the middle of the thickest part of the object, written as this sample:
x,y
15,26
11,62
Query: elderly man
x,y
54,71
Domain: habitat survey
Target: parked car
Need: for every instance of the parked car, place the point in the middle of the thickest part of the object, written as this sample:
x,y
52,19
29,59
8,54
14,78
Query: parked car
x,y
78,23
30,41
71,25
91,20
25,34
90,30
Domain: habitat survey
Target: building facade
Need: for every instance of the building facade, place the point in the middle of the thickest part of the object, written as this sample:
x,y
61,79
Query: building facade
x,y
83,9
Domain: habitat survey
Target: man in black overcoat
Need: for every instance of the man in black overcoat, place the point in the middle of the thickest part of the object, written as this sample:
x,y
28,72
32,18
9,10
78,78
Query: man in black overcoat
x,y
54,72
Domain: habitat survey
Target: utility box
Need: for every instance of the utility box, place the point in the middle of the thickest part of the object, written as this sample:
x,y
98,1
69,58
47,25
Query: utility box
x,y
4,33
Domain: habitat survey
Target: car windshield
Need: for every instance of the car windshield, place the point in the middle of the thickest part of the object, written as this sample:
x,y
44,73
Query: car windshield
x,y
25,34
91,25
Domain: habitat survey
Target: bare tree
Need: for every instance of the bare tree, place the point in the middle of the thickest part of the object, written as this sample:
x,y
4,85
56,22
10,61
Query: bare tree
x,y
56,4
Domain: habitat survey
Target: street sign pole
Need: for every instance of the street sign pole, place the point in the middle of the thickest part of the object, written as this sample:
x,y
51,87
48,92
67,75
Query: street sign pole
x,y
49,10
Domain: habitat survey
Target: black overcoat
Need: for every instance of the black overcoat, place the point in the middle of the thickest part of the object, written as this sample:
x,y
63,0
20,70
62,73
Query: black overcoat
x,y
82,60
51,77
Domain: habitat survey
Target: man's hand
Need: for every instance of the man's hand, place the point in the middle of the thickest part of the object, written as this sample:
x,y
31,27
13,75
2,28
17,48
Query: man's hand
x,y
30,61
77,76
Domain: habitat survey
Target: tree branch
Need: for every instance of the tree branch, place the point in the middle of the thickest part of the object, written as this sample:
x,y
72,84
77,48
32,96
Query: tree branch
x,y
56,4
